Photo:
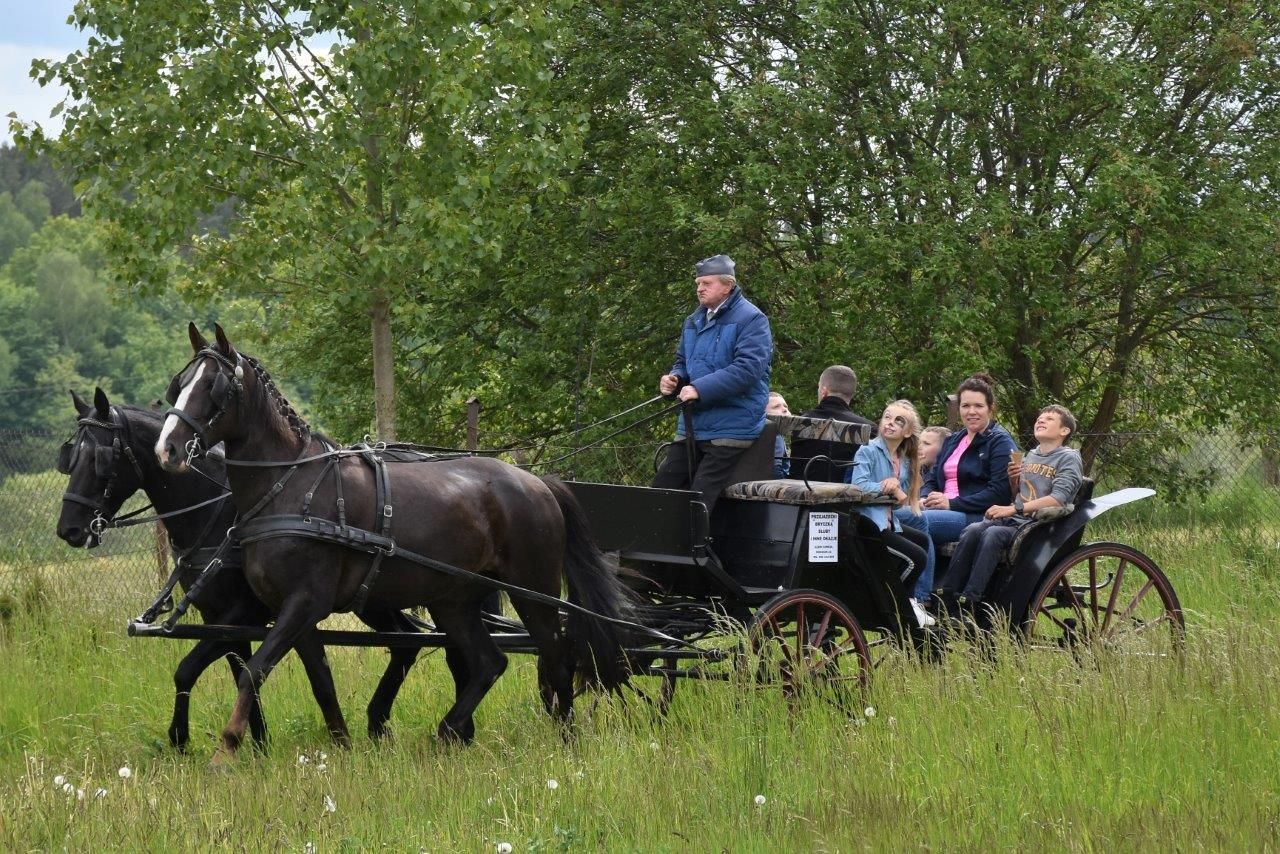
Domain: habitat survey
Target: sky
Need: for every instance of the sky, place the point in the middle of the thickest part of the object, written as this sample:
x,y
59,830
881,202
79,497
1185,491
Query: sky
x,y
31,29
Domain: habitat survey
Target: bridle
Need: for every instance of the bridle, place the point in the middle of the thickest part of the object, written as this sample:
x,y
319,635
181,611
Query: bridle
x,y
106,459
224,390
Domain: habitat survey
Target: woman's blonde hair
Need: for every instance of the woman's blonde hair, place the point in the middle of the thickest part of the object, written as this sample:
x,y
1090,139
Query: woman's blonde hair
x,y
910,449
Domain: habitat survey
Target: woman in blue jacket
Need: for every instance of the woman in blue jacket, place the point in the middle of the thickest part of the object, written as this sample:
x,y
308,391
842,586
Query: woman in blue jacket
x,y
890,464
971,473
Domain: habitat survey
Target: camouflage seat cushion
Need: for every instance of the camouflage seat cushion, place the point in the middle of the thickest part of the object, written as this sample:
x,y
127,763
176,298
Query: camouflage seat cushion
x,y
797,492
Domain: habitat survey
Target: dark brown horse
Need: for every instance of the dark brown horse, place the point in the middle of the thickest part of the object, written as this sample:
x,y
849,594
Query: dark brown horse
x,y
110,457
481,517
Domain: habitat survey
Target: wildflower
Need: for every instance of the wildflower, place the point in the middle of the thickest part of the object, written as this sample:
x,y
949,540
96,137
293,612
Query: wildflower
x,y
330,805
100,794
504,848
760,799
59,781
124,772
552,785
869,711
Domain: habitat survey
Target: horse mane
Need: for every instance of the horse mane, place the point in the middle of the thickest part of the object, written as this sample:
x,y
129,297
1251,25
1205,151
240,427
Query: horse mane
x,y
282,418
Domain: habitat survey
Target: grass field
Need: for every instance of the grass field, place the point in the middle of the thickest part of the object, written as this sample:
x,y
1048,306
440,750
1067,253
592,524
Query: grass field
x,y
1031,751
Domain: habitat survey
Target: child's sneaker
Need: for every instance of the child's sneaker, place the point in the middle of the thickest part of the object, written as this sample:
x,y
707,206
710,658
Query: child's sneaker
x,y
923,618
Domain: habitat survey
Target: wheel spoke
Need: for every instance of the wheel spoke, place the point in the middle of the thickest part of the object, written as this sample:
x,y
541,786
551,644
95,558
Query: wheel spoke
x,y
1115,594
1093,585
1138,597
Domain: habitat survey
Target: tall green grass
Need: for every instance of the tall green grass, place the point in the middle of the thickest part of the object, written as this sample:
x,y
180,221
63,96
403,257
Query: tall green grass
x,y
1019,749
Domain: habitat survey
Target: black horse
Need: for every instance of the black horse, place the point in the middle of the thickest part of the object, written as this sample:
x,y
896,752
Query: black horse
x,y
111,456
478,517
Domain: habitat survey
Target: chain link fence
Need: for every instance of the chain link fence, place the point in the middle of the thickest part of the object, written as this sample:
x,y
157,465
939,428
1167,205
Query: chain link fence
x,y
1200,480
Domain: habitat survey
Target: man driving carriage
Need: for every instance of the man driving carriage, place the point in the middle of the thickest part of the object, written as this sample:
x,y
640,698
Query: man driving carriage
x,y
722,371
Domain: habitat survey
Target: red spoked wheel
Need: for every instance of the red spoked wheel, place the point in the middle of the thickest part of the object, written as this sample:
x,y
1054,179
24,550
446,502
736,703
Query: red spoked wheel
x,y
1109,597
808,642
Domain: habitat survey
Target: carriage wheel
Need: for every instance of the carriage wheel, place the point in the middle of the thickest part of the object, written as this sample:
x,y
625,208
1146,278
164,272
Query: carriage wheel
x,y
1109,597
807,640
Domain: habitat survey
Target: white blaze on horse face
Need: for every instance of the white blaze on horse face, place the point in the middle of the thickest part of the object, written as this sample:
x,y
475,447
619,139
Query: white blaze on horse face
x,y
171,421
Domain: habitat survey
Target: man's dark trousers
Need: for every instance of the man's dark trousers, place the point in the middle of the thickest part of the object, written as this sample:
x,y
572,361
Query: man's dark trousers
x,y
713,466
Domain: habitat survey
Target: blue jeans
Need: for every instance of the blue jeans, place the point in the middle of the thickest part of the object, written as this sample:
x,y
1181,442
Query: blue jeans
x,y
977,555
924,583
946,526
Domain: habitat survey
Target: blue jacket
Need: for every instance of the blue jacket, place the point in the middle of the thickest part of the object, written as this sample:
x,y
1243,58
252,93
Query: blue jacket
x,y
871,464
983,471
727,361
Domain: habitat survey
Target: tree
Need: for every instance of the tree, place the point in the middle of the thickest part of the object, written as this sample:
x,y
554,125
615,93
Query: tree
x,y
369,147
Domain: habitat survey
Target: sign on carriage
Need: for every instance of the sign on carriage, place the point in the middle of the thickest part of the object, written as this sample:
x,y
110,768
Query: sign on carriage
x,y
824,531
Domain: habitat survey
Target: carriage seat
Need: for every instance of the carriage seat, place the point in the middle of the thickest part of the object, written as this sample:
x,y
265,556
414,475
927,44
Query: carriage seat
x,y
1042,517
797,492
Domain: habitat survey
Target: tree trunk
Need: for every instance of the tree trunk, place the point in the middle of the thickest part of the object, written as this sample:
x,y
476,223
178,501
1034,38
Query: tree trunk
x,y
384,369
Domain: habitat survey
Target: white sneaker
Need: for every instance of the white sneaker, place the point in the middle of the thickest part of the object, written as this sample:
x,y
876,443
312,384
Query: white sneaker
x,y
923,618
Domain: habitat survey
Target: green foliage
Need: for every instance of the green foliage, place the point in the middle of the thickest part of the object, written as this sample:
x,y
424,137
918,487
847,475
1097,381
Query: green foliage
x,y
1077,198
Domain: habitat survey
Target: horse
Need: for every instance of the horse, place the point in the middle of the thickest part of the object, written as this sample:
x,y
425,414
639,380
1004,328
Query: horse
x,y
466,522
110,457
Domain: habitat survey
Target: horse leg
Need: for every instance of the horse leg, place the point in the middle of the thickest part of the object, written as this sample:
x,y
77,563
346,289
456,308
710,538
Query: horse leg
x,y
296,617
481,661
402,658
188,672
236,658
316,663
555,658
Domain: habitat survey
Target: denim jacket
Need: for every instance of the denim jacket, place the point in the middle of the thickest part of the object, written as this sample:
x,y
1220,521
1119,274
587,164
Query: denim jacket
x,y
870,466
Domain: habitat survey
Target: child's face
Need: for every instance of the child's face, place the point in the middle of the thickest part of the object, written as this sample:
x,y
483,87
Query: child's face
x,y
894,423
1049,427
929,445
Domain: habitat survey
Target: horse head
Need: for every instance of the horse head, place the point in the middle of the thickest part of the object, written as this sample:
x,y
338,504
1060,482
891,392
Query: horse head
x,y
101,469
206,397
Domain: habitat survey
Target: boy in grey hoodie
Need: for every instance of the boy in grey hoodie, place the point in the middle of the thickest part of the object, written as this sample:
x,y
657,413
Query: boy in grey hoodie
x,y
1050,476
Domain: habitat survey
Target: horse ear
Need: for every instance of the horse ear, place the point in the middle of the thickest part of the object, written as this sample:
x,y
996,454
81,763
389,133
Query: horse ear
x,y
223,344
198,341
100,401
82,408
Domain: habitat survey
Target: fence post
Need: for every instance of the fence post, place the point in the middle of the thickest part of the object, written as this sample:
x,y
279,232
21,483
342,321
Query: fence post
x,y
473,423
162,552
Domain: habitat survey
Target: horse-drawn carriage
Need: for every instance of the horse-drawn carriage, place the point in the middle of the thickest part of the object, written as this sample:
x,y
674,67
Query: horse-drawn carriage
x,y
782,584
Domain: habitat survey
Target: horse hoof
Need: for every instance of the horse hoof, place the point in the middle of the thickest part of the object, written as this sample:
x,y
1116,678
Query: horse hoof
x,y
449,735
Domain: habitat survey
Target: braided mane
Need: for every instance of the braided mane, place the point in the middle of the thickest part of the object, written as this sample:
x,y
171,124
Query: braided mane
x,y
283,418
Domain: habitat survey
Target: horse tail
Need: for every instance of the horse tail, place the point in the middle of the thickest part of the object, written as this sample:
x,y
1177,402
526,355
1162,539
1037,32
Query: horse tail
x,y
594,584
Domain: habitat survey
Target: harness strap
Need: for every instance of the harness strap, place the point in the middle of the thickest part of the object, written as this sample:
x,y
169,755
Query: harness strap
x,y
206,574
382,500
275,527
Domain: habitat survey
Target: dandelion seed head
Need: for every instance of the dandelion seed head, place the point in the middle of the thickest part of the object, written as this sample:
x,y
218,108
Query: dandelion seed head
x,y
302,759
59,780
309,848
504,848
869,711
68,788
322,767
79,794
330,805
99,794
552,785
124,772
653,745
760,799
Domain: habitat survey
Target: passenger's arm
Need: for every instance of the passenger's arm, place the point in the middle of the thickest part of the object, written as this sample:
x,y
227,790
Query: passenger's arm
x,y
996,489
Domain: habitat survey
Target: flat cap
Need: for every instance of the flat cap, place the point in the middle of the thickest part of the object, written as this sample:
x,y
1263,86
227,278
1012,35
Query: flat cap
x,y
716,265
